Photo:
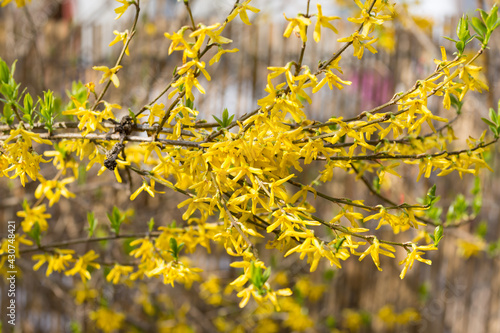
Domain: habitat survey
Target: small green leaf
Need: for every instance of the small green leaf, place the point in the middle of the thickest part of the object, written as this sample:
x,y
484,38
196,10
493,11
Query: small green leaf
x,y
266,275
173,244
330,322
339,243
174,248
488,122
75,327
8,114
431,195
424,292
78,91
492,17
4,72
477,203
478,27
463,29
484,15
151,224
456,103
116,219
482,229
180,247
477,186
451,39
35,234
92,223
438,235
218,120
132,115
494,116
28,103
457,209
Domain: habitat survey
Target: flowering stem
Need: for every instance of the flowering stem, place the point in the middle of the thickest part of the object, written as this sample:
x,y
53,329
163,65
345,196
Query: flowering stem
x,y
122,53
167,114
186,3
324,65
304,44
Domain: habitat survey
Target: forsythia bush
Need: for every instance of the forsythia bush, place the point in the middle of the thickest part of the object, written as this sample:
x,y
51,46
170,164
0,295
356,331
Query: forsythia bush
x,y
239,175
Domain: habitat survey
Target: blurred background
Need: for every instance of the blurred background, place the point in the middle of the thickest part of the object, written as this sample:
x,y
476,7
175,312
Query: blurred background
x,y
56,42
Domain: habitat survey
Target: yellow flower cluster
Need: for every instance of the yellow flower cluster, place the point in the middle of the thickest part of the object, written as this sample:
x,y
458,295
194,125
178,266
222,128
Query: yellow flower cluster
x,y
240,176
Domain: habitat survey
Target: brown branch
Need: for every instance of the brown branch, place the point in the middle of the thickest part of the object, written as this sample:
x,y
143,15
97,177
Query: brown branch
x,y
113,137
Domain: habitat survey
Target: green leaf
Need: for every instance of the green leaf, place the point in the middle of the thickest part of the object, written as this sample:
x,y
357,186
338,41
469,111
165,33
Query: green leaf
x,y
434,213
438,235
451,39
8,91
493,248
49,108
484,15
431,195
28,103
339,243
226,119
256,276
496,25
151,224
457,209
253,273
482,229
492,17
478,27
424,292
266,275
75,327
494,116
218,121
477,186
328,275
463,29
35,234
477,204
92,223
28,109
13,68
116,219
331,322
8,114
127,248
174,248
180,247
456,103
4,72
78,91
488,122
173,244
132,115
